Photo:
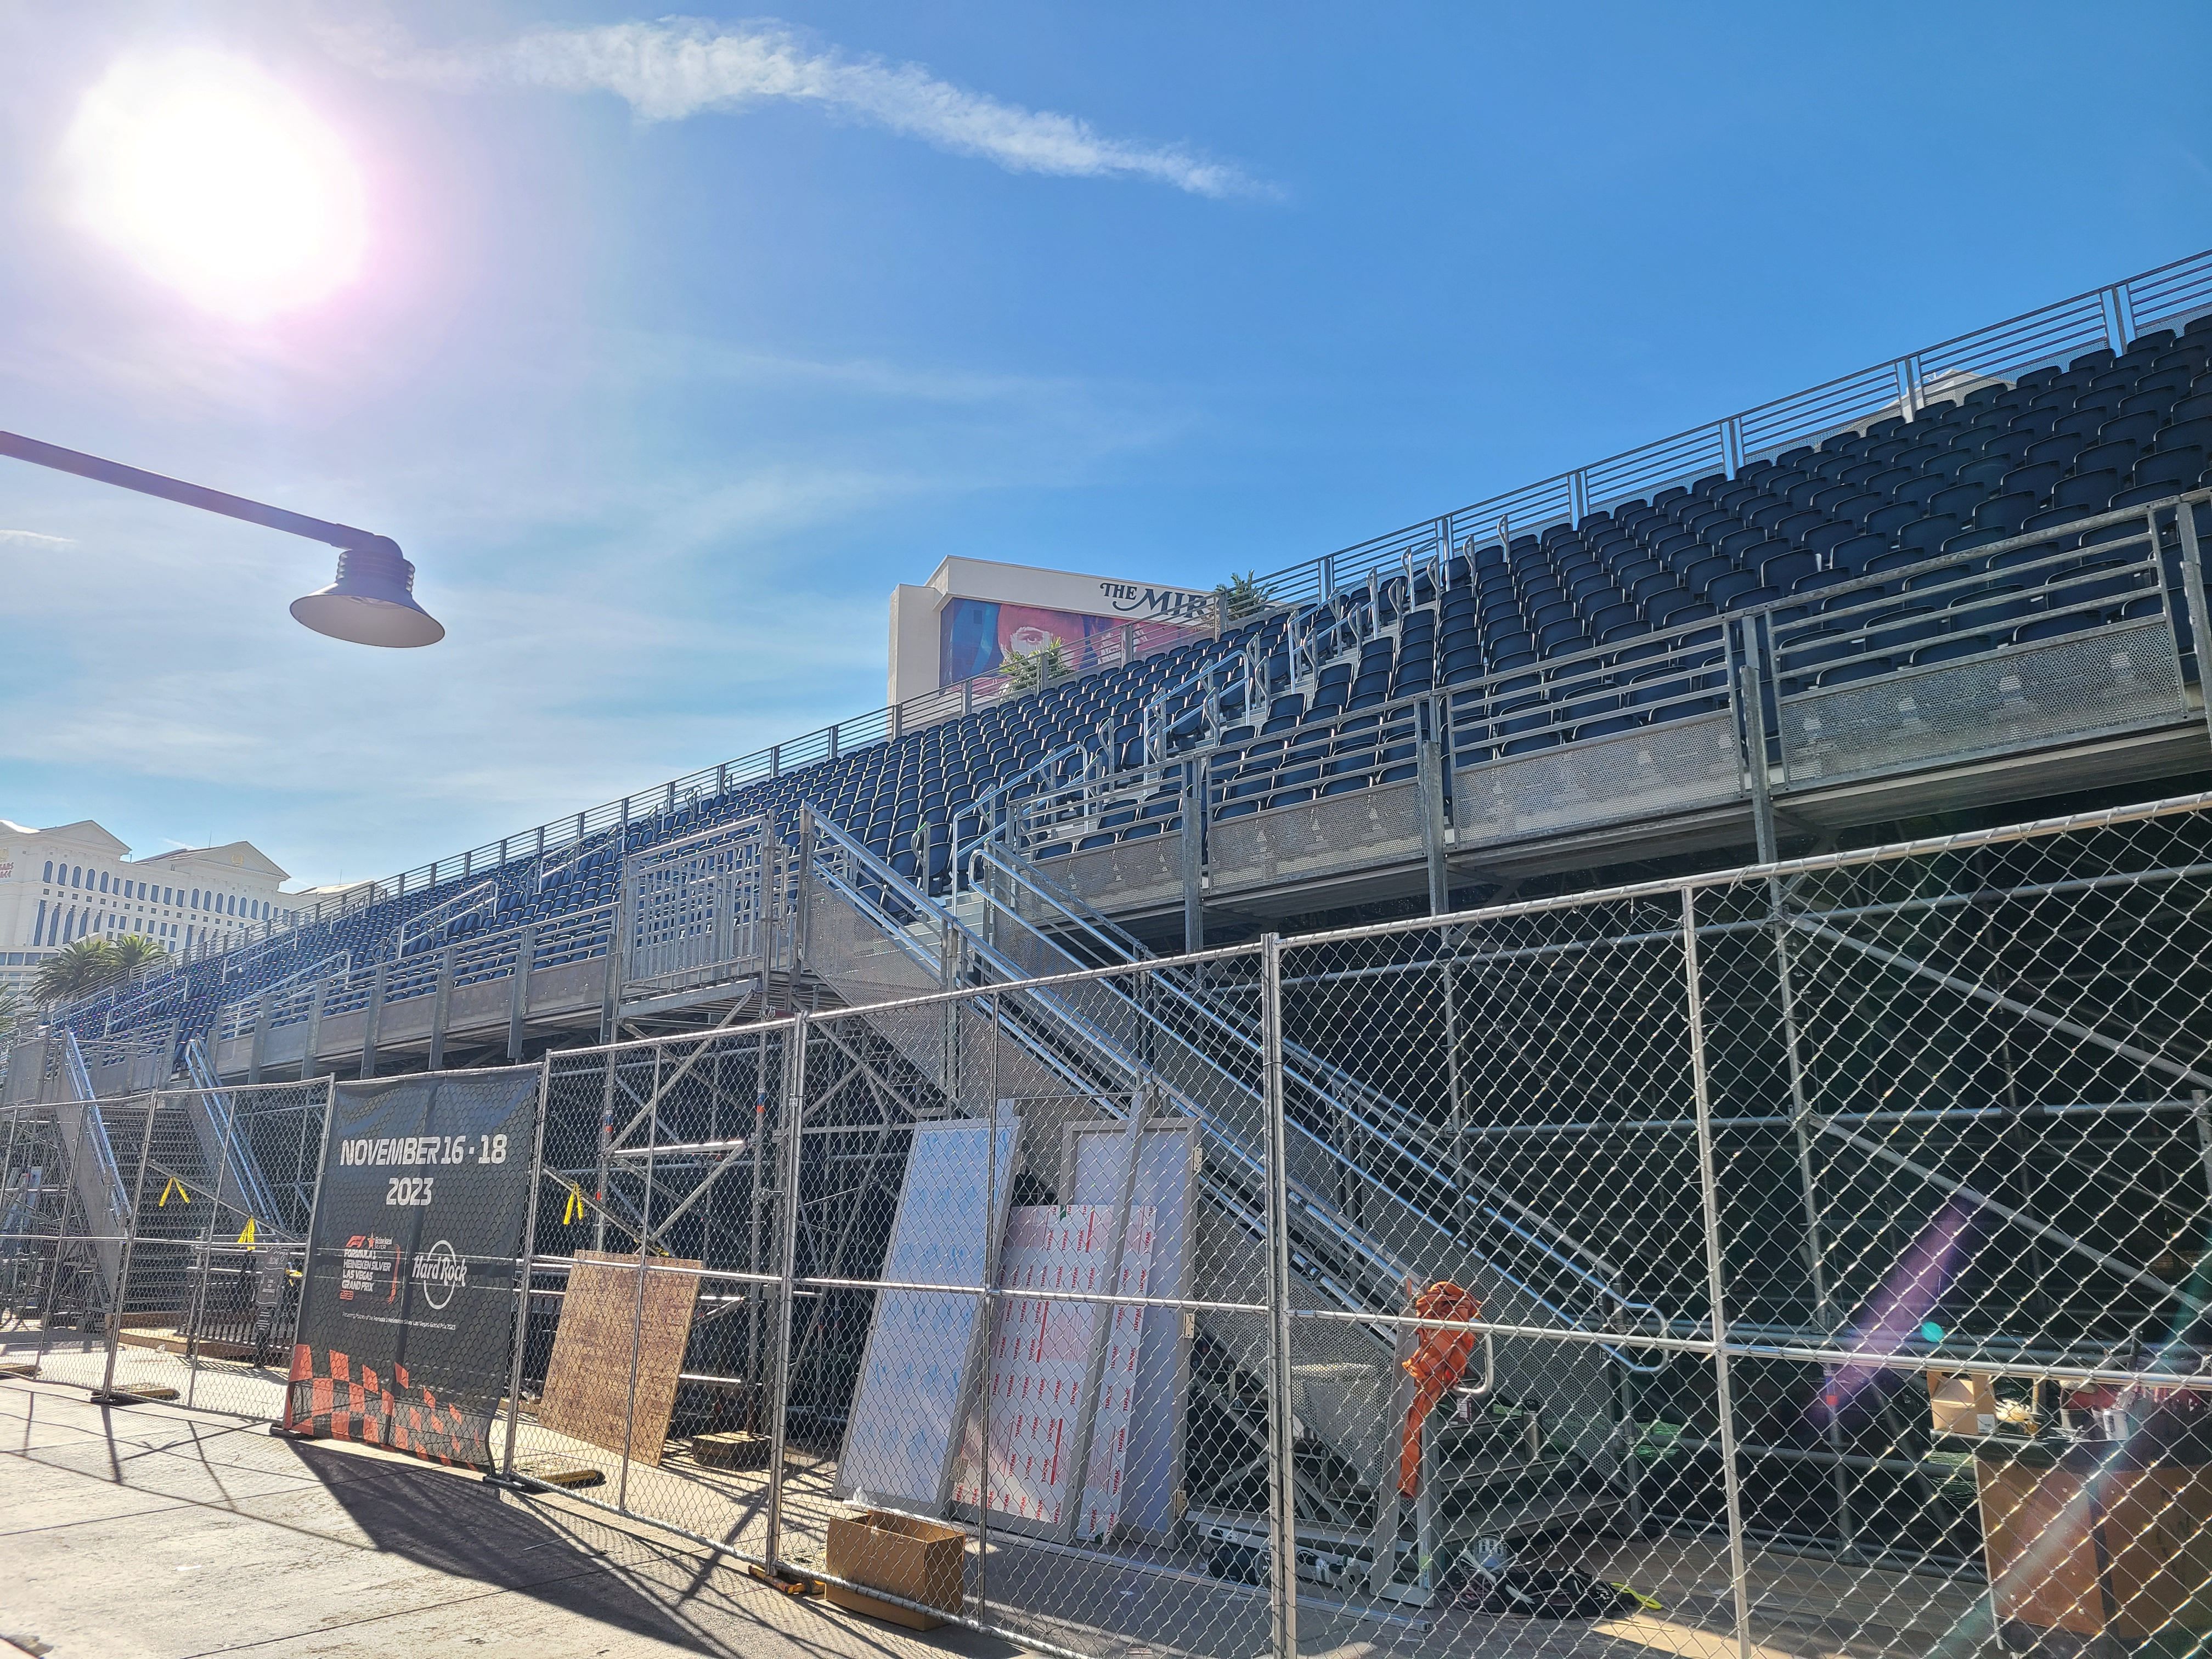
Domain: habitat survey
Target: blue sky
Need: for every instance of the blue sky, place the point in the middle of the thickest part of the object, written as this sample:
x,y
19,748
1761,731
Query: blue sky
x,y
674,345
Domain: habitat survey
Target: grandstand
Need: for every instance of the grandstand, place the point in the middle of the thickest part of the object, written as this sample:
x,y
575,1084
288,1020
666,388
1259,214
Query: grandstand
x,y
1957,590
1952,583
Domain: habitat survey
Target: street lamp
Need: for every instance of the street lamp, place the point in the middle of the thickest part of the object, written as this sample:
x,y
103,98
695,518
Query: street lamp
x,y
371,603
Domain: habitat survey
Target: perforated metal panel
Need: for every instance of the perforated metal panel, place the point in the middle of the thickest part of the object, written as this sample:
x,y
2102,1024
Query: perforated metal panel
x,y
1127,874
2112,680
1652,770
1339,832
913,1381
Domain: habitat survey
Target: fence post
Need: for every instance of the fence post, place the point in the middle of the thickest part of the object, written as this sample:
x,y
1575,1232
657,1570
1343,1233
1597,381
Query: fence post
x,y
644,1252
1746,691
260,1038
1193,853
106,1395
529,1262
2192,588
307,1246
198,1306
442,1006
1709,1190
313,1039
1282,1485
794,1119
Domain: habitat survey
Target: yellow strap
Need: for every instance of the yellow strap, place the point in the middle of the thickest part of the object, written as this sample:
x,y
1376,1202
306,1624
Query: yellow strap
x,y
246,1234
178,1188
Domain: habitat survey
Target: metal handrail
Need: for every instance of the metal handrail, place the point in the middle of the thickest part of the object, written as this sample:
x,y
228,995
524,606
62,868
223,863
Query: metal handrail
x,y
462,903
2111,316
1375,1114
1369,1254
96,1127
244,1172
1658,653
554,936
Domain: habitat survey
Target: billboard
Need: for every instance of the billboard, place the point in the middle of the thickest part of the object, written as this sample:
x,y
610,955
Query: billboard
x,y
407,1313
976,636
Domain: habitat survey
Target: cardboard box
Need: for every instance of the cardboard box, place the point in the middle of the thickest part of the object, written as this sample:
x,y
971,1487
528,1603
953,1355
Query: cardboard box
x,y
1962,1402
923,1561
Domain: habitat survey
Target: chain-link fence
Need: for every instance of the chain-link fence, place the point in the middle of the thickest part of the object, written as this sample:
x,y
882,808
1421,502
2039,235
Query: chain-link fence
x,y
1803,1261
152,1245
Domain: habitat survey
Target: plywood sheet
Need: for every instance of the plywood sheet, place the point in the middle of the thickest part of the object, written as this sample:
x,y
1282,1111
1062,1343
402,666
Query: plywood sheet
x,y
588,1385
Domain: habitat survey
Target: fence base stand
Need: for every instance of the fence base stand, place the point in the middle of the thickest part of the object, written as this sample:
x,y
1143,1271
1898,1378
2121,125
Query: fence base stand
x,y
790,1582
137,1397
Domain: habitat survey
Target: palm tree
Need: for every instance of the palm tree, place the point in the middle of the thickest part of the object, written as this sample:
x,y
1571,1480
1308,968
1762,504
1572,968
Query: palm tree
x,y
11,1012
136,954
74,970
1028,670
1241,597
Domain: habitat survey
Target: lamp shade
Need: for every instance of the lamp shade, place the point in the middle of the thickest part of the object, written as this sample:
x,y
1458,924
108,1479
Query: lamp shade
x,y
372,602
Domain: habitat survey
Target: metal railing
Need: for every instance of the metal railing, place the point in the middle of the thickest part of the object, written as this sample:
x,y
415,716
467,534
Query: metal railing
x,y
580,936
1954,661
2109,317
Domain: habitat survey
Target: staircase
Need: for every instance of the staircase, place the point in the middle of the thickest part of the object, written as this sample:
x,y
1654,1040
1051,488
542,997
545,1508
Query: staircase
x,y
226,1149
1372,1212
96,1180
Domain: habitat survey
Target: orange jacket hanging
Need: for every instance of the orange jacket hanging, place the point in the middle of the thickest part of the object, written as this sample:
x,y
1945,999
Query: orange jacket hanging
x,y
1437,1364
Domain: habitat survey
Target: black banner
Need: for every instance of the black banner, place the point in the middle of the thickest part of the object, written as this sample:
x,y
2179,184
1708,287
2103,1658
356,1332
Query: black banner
x,y
407,1316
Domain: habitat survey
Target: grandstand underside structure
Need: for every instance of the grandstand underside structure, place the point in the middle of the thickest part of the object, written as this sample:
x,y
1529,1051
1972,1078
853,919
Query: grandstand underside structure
x,y
1656,963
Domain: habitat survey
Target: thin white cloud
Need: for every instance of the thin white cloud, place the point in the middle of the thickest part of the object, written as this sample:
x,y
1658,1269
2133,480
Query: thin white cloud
x,y
34,536
680,67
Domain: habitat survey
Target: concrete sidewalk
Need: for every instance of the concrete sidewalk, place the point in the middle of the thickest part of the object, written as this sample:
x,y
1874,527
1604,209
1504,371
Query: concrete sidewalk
x,y
151,1533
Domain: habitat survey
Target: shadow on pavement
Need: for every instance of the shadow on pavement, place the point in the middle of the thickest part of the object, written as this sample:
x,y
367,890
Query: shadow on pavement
x,y
453,1523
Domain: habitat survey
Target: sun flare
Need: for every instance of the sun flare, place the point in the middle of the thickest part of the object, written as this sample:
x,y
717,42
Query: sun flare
x,y
220,182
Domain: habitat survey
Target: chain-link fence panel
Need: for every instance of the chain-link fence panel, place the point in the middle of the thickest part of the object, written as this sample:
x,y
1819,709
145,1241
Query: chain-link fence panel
x,y
646,1359
156,1241
1805,1261
1871,1196
68,1221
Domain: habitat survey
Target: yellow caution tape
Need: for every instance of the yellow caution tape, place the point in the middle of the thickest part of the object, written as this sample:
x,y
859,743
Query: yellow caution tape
x,y
1648,1603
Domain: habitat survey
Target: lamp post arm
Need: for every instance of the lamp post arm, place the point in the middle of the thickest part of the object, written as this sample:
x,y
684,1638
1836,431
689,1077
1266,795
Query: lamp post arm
x,y
175,489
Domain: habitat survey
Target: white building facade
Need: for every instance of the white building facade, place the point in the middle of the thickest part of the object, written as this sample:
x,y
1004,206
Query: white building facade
x,y
78,881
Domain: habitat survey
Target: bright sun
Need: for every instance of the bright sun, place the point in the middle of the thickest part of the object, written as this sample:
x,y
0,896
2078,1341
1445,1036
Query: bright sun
x,y
220,182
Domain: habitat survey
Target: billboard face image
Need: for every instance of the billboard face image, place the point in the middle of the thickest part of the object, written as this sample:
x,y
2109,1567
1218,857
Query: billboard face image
x,y
976,636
